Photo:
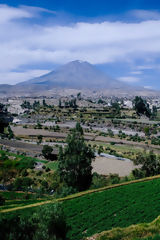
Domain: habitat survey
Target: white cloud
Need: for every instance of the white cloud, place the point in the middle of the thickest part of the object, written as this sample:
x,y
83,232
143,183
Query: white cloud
x,y
36,9
145,67
16,77
9,13
148,87
129,79
145,14
136,72
25,43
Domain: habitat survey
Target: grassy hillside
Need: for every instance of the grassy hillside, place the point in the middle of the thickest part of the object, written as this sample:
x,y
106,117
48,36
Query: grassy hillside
x,y
142,231
117,207
92,212
19,199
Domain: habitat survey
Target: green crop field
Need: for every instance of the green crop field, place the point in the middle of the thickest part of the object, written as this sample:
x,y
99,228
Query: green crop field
x,y
93,212
18,203
52,165
156,237
11,195
116,207
19,199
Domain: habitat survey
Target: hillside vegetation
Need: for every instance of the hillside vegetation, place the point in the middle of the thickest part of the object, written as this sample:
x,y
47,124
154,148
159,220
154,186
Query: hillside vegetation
x,y
143,231
98,211
117,207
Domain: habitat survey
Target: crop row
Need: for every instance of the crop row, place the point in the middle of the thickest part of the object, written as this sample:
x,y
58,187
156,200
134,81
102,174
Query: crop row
x,y
19,203
117,207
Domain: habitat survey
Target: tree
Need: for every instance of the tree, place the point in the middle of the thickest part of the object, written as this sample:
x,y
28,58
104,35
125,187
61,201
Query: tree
x,y
100,101
51,223
116,107
36,105
79,128
100,149
39,137
75,160
38,126
46,223
2,200
150,163
141,106
147,131
60,103
79,96
47,151
5,118
154,112
44,103
26,104
10,133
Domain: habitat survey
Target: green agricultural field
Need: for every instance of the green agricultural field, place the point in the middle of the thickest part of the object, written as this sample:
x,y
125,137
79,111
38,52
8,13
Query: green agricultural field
x,y
52,165
88,213
126,151
18,157
19,203
116,207
19,199
11,195
156,237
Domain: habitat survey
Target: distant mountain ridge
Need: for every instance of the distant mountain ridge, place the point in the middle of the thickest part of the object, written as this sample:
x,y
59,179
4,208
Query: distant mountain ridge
x,y
73,75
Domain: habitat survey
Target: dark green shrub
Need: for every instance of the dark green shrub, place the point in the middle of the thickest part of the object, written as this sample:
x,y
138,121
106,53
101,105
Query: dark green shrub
x,y
47,223
114,178
22,183
2,200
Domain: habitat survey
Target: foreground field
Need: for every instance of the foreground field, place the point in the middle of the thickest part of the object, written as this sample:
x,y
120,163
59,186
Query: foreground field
x,y
94,211
19,199
142,231
117,207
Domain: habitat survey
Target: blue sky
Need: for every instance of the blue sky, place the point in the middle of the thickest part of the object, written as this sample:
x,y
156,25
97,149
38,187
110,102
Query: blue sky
x,y
120,37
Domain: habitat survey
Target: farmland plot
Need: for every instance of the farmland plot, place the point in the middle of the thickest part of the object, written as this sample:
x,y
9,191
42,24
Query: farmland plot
x,y
117,207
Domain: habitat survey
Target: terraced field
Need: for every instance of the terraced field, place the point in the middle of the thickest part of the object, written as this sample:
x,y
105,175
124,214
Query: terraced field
x,y
90,212
19,203
117,207
17,199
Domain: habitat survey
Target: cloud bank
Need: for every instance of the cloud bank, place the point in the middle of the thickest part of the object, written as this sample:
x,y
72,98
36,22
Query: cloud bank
x,y
24,41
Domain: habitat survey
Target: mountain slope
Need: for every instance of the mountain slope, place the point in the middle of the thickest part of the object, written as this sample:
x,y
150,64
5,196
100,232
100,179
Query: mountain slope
x,y
76,74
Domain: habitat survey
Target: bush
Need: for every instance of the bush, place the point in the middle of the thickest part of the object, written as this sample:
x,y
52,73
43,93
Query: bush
x,y
26,196
22,183
24,173
25,163
48,169
98,181
114,178
2,200
3,157
66,190
39,173
47,153
47,223
138,173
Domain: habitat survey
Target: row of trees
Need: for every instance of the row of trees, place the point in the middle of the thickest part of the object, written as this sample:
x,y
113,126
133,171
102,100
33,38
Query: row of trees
x,y
142,107
71,103
36,104
150,165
